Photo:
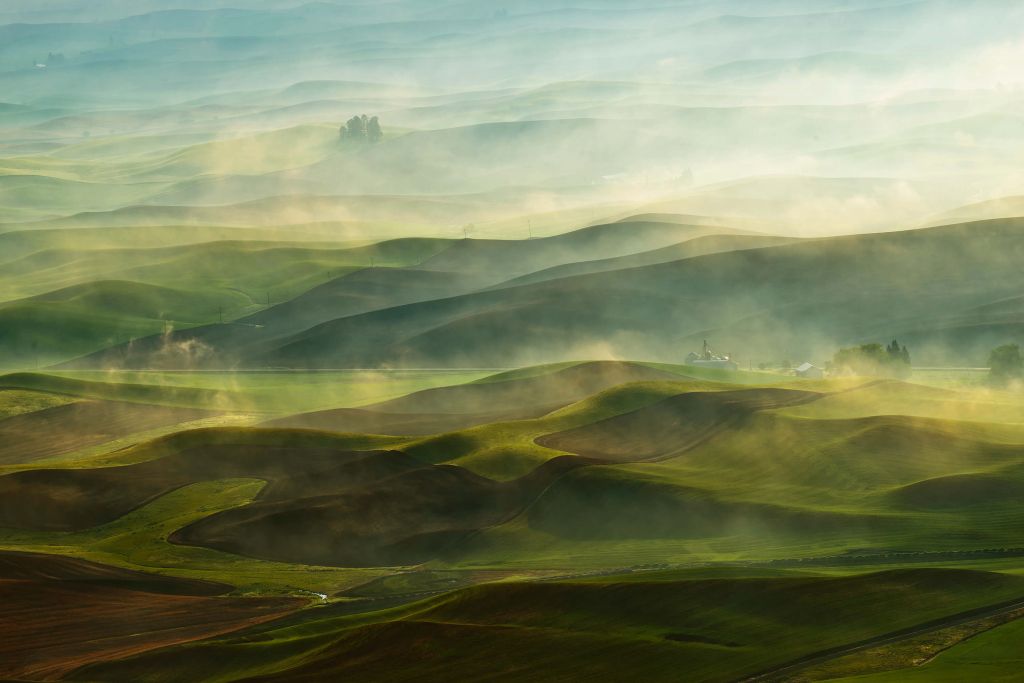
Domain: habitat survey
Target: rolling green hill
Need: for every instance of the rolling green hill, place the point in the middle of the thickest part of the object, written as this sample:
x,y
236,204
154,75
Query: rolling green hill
x,y
163,395
346,340
77,320
161,289
442,269
660,470
713,629
22,242
499,398
809,298
712,243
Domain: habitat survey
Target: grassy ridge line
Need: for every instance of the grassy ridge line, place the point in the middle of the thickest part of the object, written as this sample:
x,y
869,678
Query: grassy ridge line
x,y
283,269
15,402
173,443
637,311
77,320
131,393
138,541
284,393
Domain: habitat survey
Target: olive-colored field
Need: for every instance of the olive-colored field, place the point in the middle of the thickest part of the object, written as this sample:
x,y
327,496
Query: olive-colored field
x,y
709,629
441,547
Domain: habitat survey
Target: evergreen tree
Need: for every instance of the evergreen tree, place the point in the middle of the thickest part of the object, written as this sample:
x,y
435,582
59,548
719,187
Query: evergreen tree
x,y
373,130
356,129
362,129
892,360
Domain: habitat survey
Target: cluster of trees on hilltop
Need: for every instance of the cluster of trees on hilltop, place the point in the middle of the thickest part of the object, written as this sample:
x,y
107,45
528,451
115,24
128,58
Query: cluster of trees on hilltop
x,y
892,360
362,129
1006,363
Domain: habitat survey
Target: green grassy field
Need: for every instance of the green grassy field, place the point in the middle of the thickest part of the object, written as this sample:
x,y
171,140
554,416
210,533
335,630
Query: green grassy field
x,y
715,629
345,341
280,392
990,656
138,540
673,492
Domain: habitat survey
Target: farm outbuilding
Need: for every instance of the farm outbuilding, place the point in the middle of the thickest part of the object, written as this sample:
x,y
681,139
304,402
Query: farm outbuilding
x,y
809,371
709,359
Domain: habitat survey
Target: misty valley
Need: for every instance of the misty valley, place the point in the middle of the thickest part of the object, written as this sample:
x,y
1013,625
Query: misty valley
x,y
535,340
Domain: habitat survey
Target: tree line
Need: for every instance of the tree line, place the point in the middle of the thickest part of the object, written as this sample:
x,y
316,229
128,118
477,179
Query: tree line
x,y
361,129
1006,362
892,360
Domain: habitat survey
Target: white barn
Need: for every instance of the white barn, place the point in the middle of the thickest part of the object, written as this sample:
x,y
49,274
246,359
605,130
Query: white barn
x,y
809,371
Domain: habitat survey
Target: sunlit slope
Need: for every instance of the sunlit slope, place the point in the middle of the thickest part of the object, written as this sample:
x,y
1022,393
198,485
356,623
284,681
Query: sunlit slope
x,y
35,436
891,397
712,243
442,269
36,197
831,203
990,656
158,290
673,425
801,298
129,178
256,268
662,471
100,388
22,242
265,153
68,613
310,160
104,494
713,629
346,217
43,418
994,208
80,319
499,398
15,401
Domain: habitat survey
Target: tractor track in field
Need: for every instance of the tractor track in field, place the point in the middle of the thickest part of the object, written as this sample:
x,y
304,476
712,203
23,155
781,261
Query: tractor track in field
x,y
782,673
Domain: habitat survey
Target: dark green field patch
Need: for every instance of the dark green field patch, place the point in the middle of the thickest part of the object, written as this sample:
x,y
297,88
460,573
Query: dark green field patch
x,y
706,630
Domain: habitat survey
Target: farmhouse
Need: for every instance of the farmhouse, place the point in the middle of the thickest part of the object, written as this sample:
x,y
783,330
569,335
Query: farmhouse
x,y
709,359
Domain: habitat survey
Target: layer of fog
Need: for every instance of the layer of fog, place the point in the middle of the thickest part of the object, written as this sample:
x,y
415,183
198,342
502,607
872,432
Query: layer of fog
x,y
589,103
